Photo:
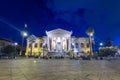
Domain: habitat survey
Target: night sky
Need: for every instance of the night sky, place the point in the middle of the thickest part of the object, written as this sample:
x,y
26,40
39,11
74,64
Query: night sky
x,y
75,15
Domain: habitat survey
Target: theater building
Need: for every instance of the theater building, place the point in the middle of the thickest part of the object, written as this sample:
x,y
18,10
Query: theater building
x,y
57,41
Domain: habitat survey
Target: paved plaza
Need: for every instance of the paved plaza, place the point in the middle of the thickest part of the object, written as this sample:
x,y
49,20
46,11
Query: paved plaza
x,y
65,69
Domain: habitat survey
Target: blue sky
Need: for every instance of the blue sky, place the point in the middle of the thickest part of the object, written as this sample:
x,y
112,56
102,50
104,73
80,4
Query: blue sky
x,y
75,15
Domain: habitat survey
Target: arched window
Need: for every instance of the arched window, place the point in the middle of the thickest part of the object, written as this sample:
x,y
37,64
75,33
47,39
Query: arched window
x,y
30,45
88,45
77,46
82,45
36,45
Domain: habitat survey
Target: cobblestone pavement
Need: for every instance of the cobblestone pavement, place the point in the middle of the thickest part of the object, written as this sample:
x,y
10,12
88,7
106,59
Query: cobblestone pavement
x,y
39,69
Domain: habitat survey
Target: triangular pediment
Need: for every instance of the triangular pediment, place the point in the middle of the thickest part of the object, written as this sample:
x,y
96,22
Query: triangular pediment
x,y
59,31
31,38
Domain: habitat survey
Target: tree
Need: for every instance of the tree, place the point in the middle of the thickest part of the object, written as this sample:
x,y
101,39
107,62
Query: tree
x,y
71,53
10,51
106,51
109,42
45,51
90,32
118,47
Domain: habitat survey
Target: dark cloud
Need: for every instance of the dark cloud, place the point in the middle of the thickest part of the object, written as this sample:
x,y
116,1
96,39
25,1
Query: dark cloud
x,y
103,15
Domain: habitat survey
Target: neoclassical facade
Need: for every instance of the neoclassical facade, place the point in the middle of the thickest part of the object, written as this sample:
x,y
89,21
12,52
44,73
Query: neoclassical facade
x,y
57,41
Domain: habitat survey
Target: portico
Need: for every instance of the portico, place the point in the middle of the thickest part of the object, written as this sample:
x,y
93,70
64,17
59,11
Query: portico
x,y
59,40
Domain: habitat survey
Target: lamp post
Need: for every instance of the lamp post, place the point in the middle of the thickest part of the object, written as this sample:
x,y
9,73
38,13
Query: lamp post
x,y
15,45
24,34
91,35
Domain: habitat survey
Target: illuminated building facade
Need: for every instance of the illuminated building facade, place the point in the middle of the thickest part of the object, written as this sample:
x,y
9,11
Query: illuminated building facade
x,y
57,41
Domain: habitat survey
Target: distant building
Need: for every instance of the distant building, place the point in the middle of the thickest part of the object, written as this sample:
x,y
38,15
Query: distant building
x,y
57,41
5,42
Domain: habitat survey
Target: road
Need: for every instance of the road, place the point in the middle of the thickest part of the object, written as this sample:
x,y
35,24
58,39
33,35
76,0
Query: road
x,y
65,69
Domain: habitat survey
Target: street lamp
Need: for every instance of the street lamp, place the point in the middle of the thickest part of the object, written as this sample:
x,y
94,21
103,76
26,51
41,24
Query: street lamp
x,y
15,43
91,35
24,34
101,44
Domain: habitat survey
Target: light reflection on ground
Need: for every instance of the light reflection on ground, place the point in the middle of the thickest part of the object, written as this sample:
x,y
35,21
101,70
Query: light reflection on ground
x,y
39,69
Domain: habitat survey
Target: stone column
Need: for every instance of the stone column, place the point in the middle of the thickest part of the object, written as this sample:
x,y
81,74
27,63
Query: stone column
x,y
55,43
52,47
48,41
62,43
61,46
69,43
65,44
